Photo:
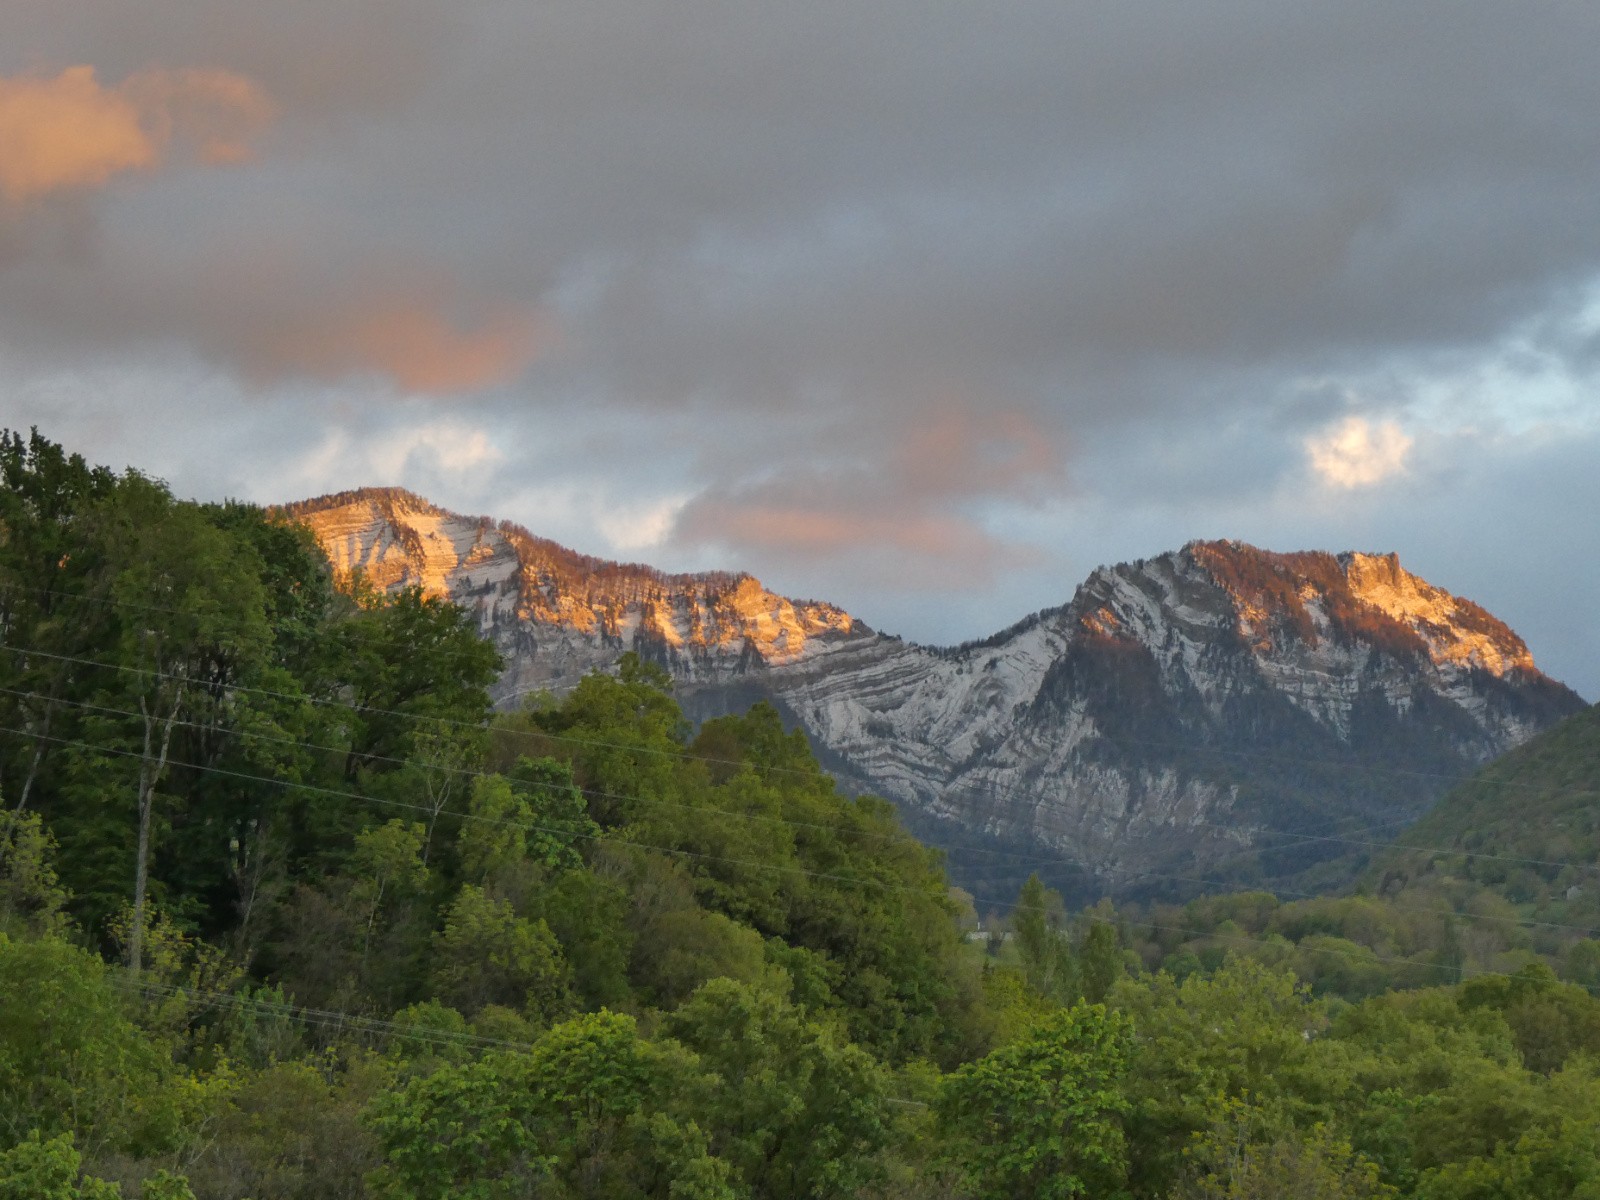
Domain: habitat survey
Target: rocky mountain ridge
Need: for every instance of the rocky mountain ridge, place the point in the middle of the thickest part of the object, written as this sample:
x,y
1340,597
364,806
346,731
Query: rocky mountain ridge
x,y
1216,710
556,614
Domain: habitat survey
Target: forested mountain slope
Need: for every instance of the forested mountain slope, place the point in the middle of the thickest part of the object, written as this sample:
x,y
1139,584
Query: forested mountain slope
x,y
1524,831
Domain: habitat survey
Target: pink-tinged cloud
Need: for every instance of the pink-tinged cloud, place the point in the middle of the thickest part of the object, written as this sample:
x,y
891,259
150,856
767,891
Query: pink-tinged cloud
x,y
409,340
909,514
819,530
961,452
70,132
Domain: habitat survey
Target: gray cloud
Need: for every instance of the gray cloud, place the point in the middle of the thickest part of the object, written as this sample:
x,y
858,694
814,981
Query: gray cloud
x,y
713,280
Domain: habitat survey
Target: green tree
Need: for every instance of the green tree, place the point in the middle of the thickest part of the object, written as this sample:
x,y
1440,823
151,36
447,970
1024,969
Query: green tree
x,y
559,829
359,937
1553,1155
52,594
51,1170
72,1062
1247,1154
1244,1032
197,618
797,1110
31,897
486,954
534,815
293,1130
388,868
1038,922
587,1114
493,842
1099,959
589,916
1041,1118
413,662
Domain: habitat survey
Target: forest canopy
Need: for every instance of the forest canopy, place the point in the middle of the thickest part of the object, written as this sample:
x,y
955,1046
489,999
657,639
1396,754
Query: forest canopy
x,y
288,910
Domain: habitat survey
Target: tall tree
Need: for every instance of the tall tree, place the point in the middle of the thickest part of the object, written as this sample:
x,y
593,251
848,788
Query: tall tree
x,y
1041,1118
194,620
52,602
1039,923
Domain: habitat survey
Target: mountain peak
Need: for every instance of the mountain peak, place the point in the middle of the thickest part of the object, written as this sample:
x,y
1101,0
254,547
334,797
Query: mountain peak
x,y
1356,598
566,612
1173,712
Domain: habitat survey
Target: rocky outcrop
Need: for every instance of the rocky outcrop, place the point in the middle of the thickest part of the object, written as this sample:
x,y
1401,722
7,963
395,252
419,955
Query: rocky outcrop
x,y
1215,714
1216,709
556,615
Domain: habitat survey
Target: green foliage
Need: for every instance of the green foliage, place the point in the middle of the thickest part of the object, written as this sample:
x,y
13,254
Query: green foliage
x,y
796,1110
584,1114
1241,1033
32,900
494,836
410,659
1039,924
293,1130
1042,1117
1549,1021
1511,841
72,1062
387,865
1554,1153
1247,1155
304,785
589,916
164,1185
559,829
49,1170
1100,962
486,954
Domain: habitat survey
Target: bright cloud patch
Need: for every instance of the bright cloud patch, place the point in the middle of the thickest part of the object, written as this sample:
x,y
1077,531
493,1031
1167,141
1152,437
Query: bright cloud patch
x,y
447,445
424,455
408,340
640,527
1358,452
70,131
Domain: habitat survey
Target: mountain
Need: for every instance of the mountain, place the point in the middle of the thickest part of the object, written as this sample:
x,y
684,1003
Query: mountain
x,y
1214,714
1525,829
557,615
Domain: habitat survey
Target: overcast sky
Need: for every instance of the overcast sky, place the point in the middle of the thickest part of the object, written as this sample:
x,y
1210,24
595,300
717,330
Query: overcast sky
x,y
925,308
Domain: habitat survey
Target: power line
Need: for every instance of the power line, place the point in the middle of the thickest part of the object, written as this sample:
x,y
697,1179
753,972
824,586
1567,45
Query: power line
x,y
1193,747
400,804
1029,857
340,1021
1328,838
1366,956
321,1016
462,771
1035,859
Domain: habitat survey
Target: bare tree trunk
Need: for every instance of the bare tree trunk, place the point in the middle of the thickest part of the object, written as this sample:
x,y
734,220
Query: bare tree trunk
x,y
254,866
33,770
437,800
149,775
38,751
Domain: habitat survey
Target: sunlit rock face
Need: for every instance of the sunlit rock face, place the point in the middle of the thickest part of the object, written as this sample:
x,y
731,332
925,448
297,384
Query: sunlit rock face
x,y
1213,715
556,615
1216,713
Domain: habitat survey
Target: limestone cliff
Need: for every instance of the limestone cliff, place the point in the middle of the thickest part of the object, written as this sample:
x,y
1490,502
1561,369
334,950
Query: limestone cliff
x,y
556,615
1216,713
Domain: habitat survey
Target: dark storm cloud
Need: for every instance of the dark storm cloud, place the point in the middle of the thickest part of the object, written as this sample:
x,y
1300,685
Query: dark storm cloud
x,y
752,265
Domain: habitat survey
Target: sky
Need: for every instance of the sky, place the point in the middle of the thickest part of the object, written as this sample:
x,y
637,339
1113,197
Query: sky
x,y
922,307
